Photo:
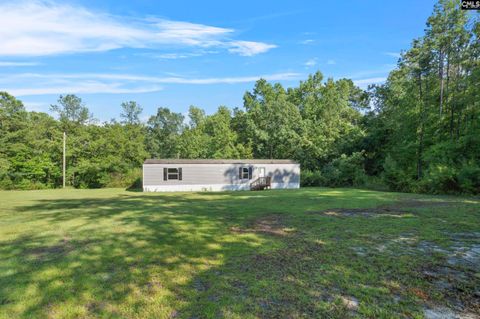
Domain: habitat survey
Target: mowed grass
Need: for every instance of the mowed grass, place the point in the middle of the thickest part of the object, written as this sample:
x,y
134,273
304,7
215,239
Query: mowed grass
x,y
307,253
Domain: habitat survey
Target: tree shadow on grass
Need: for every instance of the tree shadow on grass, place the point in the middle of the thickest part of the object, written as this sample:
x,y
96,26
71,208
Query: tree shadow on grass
x,y
167,255
112,256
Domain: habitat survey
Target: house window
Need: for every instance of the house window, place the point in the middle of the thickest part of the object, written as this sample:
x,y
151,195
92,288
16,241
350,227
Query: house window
x,y
245,173
172,173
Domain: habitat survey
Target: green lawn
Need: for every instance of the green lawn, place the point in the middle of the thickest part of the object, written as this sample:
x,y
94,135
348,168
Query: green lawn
x,y
313,252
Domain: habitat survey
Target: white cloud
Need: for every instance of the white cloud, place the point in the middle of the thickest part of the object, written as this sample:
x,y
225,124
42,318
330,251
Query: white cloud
x,y
364,83
179,32
311,63
174,56
393,54
11,63
41,27
249,48
178,55
36,106
331,62
373,73
90,87
91,83
307,41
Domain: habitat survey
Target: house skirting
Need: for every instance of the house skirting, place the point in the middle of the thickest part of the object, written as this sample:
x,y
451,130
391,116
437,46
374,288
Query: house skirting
x,y
211,187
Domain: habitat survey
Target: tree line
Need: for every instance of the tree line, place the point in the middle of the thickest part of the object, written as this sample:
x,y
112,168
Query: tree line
x,y
420,131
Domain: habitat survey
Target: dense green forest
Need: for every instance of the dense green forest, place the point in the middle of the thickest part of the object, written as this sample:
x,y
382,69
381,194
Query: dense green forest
x,y
418,132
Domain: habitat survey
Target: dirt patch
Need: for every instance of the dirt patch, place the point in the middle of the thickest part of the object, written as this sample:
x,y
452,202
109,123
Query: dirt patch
x,y
213,298
402,208
95,306
201,285
60,249
364,212
457,278
446,313
240,287
474,236
420,293
453,271
298,257
271,225
153,285
468,257
360,251
101,309
351,303
417,203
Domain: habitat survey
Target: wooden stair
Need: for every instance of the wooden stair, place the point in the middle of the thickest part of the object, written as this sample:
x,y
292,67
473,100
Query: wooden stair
x,y
261,183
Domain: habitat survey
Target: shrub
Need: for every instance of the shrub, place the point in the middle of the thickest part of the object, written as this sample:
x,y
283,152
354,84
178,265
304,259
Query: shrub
x,y
131,179
346,171
136,184
26,184
89,175
93,175
440,179
343,171
375,183
394,177
311,178
469,178
6,183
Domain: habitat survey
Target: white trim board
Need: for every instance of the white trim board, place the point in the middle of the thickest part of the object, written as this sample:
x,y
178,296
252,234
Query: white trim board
x,y
211,187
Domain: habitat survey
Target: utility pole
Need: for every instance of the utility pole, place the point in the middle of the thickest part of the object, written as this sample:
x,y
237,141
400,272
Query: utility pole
x,y
64,164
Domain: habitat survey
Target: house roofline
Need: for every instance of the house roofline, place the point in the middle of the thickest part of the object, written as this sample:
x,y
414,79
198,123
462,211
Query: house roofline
x,y
219,161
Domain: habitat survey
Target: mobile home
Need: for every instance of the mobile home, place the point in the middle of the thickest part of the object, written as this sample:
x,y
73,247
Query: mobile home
x,y
170,175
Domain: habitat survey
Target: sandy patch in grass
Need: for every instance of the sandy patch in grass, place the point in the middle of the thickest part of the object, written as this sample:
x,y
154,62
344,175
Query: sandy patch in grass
x,y
364,212
419,203
446,313
60,249
399,209
271,225
454,273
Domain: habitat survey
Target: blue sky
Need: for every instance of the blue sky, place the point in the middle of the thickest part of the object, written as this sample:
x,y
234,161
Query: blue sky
x,y
204,53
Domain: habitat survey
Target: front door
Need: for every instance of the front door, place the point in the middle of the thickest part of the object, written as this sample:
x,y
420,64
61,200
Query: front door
x,y
261,172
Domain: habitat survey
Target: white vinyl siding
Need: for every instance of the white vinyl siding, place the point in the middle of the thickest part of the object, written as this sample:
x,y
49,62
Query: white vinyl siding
x,y
219,174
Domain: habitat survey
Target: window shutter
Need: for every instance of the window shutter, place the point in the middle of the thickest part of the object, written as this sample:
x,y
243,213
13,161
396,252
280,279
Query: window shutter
x,y
165,173
240,173
250,170
179,173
